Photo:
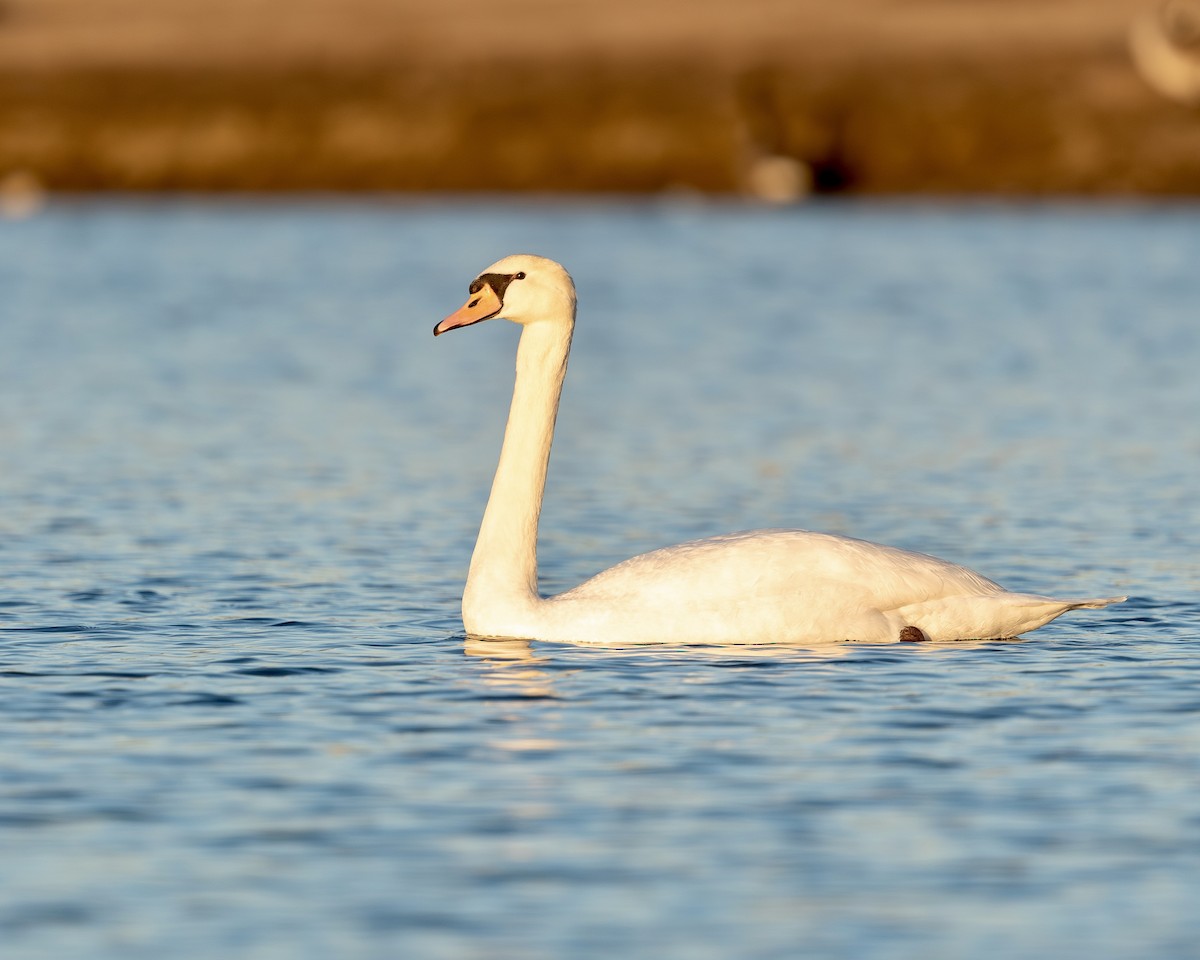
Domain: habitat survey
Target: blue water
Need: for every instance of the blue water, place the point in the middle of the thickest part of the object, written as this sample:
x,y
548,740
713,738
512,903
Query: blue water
x,y
239,486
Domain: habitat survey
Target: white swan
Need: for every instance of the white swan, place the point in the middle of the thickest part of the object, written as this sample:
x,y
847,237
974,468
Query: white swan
x,y
759,587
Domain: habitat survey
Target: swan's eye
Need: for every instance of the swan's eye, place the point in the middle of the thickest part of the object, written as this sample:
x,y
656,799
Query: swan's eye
x,y
519,276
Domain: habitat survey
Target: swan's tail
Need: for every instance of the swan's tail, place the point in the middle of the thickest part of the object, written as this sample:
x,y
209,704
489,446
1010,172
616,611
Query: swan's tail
x,y
1029,611
992,615
1092,604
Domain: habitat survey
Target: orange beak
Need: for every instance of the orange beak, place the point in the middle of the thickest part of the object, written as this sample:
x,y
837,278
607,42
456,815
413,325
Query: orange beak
x,y
479,306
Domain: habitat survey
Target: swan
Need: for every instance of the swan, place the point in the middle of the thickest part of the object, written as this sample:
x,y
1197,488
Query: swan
x,y
763,586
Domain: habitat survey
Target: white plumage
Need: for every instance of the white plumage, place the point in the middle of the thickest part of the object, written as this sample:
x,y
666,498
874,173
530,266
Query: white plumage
x,y
763,586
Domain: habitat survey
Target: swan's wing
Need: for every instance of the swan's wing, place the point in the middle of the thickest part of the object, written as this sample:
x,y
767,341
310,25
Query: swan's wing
x,y
785,562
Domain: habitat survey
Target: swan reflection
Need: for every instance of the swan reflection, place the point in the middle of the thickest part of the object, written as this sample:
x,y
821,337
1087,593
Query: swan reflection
x,y
516,662
514,666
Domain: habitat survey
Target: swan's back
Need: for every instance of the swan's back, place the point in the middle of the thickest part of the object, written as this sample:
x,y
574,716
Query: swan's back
x,y
887,575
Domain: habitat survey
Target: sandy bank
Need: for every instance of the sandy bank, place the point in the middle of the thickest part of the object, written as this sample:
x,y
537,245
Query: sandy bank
x,y
923,97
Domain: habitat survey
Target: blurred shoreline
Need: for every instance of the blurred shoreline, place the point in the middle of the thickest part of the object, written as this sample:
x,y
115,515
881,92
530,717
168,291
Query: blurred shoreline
x,y
1006,120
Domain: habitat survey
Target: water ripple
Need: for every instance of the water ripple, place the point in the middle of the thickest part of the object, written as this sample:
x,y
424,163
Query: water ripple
x,y
240,490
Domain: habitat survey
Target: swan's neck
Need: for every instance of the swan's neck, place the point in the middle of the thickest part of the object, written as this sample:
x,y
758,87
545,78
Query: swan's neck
x,y
502,582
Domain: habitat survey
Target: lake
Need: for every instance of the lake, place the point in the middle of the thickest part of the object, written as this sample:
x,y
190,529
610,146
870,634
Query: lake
x,y
241,482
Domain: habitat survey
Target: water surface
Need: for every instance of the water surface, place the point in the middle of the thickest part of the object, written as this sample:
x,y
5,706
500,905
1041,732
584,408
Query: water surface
x,y
240,486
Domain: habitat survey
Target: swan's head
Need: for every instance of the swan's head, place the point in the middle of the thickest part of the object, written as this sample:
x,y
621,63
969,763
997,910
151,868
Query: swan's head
x,y
524,289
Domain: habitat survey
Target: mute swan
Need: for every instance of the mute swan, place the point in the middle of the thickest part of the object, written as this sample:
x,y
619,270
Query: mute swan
x,y
758,587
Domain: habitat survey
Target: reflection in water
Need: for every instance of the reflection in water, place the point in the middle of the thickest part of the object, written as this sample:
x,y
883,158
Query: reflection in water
x,y
505,650
516,660
514,666
514,676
